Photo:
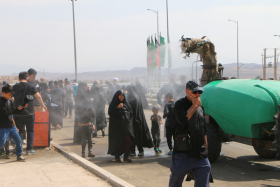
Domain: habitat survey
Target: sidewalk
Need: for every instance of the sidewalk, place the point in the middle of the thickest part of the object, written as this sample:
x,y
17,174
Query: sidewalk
x,y
46,168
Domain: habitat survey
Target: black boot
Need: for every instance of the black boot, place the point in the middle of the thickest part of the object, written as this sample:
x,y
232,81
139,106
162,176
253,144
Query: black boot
x,y
117,158
126,157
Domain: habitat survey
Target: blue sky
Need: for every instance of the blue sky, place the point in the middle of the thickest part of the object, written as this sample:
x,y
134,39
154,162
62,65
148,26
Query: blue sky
x,y
111,35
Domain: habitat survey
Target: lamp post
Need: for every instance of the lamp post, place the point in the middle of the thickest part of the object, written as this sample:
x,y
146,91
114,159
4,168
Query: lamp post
x,y
157,21
237,48
75,54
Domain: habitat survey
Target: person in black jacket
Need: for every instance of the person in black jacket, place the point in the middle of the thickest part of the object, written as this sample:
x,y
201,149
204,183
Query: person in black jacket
x,y
7,126
155,130
170,87
26,117
43,85
32,73
169,123
46,97
189,119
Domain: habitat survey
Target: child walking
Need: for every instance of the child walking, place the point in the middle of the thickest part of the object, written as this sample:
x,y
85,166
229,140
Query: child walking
x,y
156,121
169,122
86,123
7,127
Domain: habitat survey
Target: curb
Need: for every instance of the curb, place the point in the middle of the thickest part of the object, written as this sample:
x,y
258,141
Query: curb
x,y
107,176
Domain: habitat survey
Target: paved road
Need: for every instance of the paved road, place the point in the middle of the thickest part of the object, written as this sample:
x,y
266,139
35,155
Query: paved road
x,y
47,168
238,164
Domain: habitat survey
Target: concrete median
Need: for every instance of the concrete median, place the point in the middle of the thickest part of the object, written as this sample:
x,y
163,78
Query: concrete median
x,y
105,175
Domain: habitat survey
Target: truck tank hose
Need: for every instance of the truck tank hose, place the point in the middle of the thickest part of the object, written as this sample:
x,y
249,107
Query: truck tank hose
x,y
266,130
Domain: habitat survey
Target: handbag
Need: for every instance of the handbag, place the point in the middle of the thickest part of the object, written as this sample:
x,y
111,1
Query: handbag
x,y
182,143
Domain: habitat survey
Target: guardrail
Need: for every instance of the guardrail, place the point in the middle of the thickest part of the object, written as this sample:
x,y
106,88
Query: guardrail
x,y
152,99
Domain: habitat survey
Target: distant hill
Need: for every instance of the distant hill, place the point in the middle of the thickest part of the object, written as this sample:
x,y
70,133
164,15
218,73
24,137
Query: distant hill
x,y
246,71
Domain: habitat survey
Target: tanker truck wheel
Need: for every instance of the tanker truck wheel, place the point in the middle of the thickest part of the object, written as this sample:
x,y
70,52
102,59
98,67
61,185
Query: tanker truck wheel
x,y
214,142
264,153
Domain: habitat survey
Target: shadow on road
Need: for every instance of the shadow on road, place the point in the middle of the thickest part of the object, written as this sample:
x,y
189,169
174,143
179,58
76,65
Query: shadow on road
x,y
256,158
227,169
264,185
107,161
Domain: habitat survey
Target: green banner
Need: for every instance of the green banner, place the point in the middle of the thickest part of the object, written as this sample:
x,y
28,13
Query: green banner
x,y
162,51
153,53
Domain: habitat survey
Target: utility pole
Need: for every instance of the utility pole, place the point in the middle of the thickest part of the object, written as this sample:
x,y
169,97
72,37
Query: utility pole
x,y
275,65
75,53
264,70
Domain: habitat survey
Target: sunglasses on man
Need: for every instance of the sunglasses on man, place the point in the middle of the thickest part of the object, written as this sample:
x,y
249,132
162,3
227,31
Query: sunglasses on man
x,y
195,92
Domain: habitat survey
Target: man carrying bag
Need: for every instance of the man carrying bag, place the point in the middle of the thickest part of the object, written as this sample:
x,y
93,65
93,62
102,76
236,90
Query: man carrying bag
x,y
190,144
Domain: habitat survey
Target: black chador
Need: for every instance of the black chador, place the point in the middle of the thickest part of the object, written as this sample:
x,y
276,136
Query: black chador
x,y
81,101
120,127
99,102
141,129
57,97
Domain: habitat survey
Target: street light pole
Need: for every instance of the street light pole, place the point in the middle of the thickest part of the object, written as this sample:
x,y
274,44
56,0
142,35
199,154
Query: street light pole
x,y
237,48
75,54
157,21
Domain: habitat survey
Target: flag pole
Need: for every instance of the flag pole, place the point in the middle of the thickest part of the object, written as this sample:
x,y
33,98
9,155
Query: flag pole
x,y
148,72
168,40
159,61
155,59
151,70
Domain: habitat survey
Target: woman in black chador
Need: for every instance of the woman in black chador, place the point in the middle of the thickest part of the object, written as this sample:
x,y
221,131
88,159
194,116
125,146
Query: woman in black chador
x,y
120,127
141,130
81,101
141,92
99,102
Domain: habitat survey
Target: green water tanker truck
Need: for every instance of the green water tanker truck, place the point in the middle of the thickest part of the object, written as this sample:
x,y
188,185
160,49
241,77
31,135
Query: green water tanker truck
x,y
241,110
245,111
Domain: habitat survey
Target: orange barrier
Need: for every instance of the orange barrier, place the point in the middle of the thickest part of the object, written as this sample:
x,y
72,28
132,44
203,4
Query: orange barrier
x,y
41,130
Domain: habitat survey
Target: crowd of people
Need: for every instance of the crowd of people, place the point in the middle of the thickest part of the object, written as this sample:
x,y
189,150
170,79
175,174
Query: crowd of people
x,y
128,128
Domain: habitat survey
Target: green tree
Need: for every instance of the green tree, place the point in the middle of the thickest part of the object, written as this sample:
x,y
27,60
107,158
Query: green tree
x,y
258,77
